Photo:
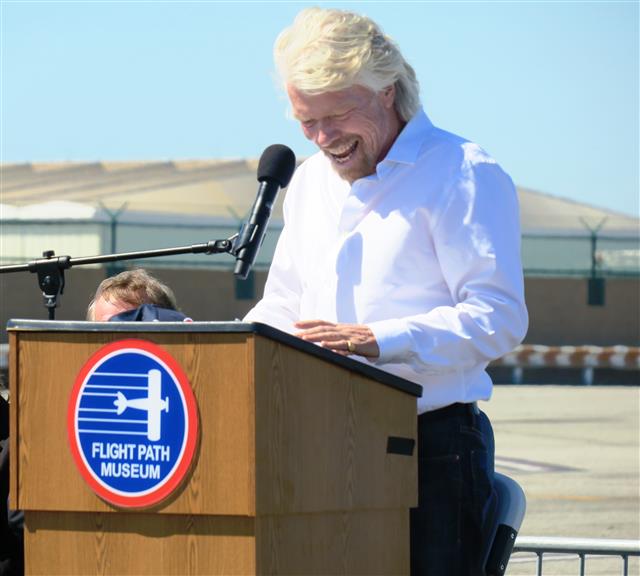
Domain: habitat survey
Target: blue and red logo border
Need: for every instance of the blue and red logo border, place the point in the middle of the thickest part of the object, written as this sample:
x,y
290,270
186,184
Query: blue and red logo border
x,y
172,481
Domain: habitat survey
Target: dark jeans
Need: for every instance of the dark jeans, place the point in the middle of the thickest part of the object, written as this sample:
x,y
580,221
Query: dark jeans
x,y
455,492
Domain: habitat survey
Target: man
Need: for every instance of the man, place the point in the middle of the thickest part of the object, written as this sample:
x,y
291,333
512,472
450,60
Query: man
x,y
400,247
134,295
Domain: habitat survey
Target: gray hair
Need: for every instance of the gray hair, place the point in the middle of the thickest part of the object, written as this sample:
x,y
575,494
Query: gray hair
x,y
326,50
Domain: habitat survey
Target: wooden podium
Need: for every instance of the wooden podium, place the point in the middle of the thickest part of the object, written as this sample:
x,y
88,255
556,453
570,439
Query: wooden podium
x,y
305,462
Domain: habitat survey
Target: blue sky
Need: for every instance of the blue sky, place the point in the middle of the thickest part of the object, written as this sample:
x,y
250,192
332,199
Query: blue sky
x,y
551,89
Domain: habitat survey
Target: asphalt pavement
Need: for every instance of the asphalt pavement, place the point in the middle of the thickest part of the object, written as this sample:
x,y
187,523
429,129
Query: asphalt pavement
x,y
575,450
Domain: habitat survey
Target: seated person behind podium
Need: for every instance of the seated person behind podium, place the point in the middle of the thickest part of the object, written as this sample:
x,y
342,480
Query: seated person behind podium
x,y
401,247
134,295
11,521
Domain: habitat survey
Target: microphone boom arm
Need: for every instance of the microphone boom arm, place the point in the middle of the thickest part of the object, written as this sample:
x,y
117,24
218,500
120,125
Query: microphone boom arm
x,y
50,269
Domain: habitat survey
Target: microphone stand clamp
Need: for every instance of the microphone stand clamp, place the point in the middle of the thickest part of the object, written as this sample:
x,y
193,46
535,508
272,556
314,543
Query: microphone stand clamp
x,y
50,272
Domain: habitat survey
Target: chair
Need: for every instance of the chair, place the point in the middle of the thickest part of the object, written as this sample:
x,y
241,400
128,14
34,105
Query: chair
x,y
503,524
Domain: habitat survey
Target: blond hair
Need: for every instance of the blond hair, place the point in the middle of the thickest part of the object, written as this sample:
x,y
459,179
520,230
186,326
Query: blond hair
x,y
327,50
134,288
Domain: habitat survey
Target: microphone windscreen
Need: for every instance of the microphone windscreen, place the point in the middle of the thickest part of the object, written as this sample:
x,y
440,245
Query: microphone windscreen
x,y
277,164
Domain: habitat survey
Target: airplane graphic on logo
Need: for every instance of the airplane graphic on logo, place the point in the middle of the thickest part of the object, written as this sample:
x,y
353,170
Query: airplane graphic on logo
x,y
153,404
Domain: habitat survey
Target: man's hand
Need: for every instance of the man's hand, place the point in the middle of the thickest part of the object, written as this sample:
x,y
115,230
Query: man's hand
x,y
345,339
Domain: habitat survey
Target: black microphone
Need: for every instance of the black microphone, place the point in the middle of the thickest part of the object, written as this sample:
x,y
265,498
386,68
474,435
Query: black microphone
x,y
275,169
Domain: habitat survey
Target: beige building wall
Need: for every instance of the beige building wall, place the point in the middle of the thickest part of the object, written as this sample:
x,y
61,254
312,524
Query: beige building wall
x,y
558,308
202,294
559,313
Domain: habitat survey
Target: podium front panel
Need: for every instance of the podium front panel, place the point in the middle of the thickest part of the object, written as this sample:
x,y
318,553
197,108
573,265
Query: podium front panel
x,y
81,543
221,480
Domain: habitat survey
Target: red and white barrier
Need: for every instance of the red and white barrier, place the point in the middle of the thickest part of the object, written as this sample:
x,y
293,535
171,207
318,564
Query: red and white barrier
x,y
539,356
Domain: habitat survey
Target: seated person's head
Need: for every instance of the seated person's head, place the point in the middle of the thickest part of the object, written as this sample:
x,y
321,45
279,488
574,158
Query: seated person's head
x,y
128,291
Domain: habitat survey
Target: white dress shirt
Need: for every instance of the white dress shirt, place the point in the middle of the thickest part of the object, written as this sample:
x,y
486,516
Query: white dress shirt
x,y
426,252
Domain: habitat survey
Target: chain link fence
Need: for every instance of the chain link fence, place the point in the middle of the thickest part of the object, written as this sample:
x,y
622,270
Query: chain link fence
x,y
543,255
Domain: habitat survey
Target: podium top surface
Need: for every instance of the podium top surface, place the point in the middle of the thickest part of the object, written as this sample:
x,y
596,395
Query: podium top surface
x,y
220,327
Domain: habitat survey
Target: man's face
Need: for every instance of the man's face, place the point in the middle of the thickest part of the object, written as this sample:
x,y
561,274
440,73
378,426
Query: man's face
x,y
104,309
354,127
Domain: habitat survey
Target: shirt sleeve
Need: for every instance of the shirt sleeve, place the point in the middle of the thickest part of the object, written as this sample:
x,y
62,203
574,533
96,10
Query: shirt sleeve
x,y
476,236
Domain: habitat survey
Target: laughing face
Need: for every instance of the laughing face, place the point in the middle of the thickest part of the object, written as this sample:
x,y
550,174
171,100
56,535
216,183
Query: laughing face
x,y
354,127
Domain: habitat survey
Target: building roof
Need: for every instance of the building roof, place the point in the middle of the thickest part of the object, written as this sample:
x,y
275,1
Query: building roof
x,y
222,191
545,214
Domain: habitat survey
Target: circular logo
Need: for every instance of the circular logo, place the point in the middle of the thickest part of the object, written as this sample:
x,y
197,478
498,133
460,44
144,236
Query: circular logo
x,y
132,423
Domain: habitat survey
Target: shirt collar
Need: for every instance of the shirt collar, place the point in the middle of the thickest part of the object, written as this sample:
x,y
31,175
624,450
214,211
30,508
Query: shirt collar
x,y
409,142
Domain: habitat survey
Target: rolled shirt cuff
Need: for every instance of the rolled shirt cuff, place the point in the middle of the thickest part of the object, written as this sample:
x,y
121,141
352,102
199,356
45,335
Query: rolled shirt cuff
x,y
393,338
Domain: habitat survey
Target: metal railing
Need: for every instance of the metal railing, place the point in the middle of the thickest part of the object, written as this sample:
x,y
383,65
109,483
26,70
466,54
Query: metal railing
x,y
580,547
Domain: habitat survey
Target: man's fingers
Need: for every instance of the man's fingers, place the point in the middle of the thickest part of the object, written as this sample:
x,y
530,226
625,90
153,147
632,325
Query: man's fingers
x,y
318,335
345,339
308,324
316,330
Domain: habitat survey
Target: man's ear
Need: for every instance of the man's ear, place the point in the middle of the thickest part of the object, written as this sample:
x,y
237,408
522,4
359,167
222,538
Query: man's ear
x,y
389,96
